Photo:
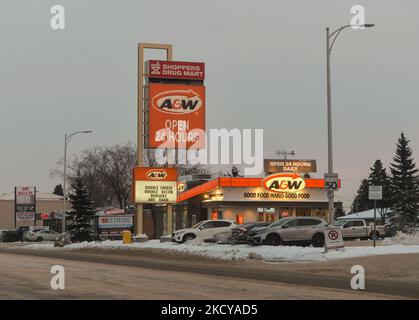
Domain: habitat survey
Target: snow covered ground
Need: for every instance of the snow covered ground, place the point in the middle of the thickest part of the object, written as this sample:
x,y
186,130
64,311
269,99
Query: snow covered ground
x,y
397,245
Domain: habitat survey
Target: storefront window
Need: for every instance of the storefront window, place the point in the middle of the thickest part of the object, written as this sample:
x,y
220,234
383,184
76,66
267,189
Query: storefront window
x,y
217,214
300,212
284,213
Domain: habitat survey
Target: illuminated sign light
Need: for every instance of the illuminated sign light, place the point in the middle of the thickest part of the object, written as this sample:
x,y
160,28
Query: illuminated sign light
x,y
281,166
155,185
176,70
176,116
284,183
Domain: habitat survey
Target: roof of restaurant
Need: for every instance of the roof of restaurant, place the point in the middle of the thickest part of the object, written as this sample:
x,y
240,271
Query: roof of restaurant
x,y
237,182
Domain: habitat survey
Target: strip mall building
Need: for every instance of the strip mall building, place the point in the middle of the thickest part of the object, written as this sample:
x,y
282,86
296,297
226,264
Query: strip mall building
x,y
251,199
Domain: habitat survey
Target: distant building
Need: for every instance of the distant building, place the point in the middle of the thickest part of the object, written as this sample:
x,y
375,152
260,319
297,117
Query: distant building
x,y
47,205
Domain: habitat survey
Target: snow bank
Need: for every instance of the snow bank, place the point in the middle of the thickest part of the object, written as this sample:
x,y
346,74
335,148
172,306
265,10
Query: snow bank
x,y
242,252
402,238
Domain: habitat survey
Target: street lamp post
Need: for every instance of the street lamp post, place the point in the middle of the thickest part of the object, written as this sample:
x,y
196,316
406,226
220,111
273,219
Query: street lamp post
x,y
67,138
330,40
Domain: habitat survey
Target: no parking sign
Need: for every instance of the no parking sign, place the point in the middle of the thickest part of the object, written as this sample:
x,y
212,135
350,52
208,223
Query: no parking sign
x,y
333,239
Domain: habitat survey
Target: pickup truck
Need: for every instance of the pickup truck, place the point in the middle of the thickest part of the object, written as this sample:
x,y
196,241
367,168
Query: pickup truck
x,y
358,228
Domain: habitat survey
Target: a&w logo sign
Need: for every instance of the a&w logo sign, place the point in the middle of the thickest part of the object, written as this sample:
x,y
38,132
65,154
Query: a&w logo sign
x,y
284,182
177,101
157,174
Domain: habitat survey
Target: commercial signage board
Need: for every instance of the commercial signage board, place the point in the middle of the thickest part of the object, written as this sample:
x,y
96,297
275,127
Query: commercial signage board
x,y
25,195
115,222
281,165
333,239
163,69
182,186
375,193
25,203
46,215
284,182
256,194
25,216
331,181
176,116
155,185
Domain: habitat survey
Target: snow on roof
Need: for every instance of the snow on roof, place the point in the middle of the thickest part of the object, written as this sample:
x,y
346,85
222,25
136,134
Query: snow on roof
x,y
368,214
39,196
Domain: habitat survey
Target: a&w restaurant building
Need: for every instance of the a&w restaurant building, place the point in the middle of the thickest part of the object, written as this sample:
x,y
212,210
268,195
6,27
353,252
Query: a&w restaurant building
x,y
252,199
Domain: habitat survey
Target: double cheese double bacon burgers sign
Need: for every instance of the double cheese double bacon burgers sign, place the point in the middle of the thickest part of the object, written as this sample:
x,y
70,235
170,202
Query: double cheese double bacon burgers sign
x,y
155,185
176,111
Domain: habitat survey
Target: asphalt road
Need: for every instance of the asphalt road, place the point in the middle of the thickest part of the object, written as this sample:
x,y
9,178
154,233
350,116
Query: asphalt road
x,y
109,275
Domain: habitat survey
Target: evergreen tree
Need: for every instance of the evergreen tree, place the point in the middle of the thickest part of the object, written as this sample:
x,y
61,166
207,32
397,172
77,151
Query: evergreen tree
x,y
379,177
361,202
339,212
404,183
58,190
82,212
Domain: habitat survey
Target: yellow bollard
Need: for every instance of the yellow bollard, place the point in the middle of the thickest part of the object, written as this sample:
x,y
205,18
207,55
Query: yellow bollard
x,y
126,237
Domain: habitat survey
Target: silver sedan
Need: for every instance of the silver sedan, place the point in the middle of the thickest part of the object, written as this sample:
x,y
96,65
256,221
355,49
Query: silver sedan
x,y
41,235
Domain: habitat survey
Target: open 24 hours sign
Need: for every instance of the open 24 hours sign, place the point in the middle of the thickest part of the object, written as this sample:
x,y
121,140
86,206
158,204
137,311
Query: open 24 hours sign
x,y
176,116
155,185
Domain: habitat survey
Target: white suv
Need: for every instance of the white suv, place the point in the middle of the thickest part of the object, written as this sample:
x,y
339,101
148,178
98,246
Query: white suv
x,y
203,230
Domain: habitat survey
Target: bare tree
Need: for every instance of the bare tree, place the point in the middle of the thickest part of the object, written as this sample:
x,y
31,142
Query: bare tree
x,y
87,165
117,163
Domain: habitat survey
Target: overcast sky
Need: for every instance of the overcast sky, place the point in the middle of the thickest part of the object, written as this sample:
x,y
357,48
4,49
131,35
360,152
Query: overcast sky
x,y
265,63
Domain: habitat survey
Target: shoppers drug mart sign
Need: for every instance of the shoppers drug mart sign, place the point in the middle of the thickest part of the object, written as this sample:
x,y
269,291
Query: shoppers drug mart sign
x,y
176,70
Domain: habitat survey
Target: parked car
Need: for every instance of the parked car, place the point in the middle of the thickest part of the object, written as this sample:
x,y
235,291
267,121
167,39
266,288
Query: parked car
x,y
41,235
14,235
236,235
2,231
240,234
306,230
9,236
220,238
203,230
358,228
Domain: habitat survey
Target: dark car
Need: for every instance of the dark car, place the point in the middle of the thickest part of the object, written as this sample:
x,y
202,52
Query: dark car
x,y
14,235
9,236
239,234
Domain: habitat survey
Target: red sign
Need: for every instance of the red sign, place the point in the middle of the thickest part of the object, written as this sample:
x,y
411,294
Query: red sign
x,y
155,174
176,116
45,215
176,70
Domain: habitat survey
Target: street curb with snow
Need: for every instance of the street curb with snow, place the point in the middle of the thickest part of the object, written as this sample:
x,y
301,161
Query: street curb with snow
x,y
401,244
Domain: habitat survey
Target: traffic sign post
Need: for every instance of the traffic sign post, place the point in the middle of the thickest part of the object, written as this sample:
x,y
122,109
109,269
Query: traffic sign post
x,y
375,193
333,239
331,183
